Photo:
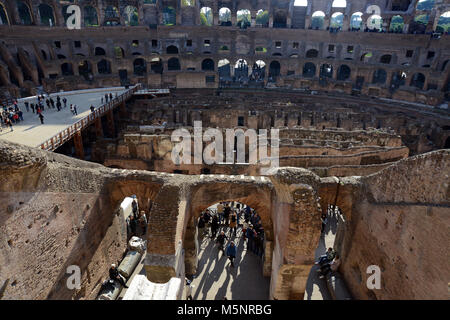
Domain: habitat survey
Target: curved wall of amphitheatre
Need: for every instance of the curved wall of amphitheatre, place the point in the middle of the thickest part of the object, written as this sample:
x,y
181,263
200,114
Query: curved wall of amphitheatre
x,y
169,44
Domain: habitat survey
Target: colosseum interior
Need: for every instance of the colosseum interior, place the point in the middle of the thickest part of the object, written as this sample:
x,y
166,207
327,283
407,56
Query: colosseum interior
x,y
352,97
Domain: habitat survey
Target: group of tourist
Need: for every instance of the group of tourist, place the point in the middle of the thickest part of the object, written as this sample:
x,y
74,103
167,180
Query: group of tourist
x,y
136,222
108,97
9,116
231,216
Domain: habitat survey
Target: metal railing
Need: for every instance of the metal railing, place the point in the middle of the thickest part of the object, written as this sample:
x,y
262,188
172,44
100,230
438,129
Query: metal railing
x,y
65,135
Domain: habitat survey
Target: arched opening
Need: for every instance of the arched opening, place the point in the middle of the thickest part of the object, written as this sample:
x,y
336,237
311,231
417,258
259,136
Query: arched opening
x,y
418,80
318,20
131,17
139,67
66,69
356,21
366,57
99,51
173,64
244,18
90,17
46,14
208,65
379,76
419,24
119,53
337,21
386,58
172,50
398,79
339,4
225,17
156,65
258,71
243,227
326,71
274,71
112,17
375,23
241,70
425,5
443,25
85,69
280,19
104,66
344,72
206,16
397,24
24,13
299,11
4,20
300,3
309,70
224,70
262,18
312,53
169,16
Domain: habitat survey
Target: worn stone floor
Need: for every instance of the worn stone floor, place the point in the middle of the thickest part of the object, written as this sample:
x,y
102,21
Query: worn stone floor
x,y
32,133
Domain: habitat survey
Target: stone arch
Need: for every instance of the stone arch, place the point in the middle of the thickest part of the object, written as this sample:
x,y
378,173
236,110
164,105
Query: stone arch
x,y
139,67
397,24
259,70
274,69
131,16
90,16
173,64
339,4
4,18
112,16
379,76
206,16
119,53
375,22
172,49
300,3
443,24
418,80
419,23
241,69
24,13
262,18
225,16
337,20
85,69
156,65
104,67
99,51
224,68
400,5
208,65
309,70
243,18
67,69
312,53
326,71
318,20
356,21
343,73
386,58
280,19
47,15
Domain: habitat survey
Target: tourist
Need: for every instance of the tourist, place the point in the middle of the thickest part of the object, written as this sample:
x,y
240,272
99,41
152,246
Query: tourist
x,y
324,221
114,275
106,97
102,100
259,243
214,226
250,237
221,240
143,222
92,108
41,117
134,206
75,109
231,252
9,123
233,222
245,226
58,105
110,97
201,227
27,106
65,102
48,103
327,257
226,213
132,223
220,212
71,109
32,107
20,114
333,266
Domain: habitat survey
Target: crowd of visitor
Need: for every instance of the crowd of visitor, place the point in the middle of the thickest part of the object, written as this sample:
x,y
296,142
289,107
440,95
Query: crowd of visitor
x,y
230,223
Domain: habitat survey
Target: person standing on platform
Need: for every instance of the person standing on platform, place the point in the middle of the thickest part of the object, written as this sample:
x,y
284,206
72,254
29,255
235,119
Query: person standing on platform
x,y
41,117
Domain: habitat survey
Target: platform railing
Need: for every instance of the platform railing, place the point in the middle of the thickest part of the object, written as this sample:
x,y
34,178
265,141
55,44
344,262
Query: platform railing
x,y
65,135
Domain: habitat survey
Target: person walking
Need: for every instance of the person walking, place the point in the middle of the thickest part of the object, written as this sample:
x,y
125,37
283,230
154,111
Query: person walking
x,y
231,253
221,240
65,102
233,223
27,106
214,226
41,117
75,109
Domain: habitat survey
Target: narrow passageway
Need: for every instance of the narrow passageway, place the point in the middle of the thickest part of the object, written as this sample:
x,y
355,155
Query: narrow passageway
x,y
216,279
316,288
